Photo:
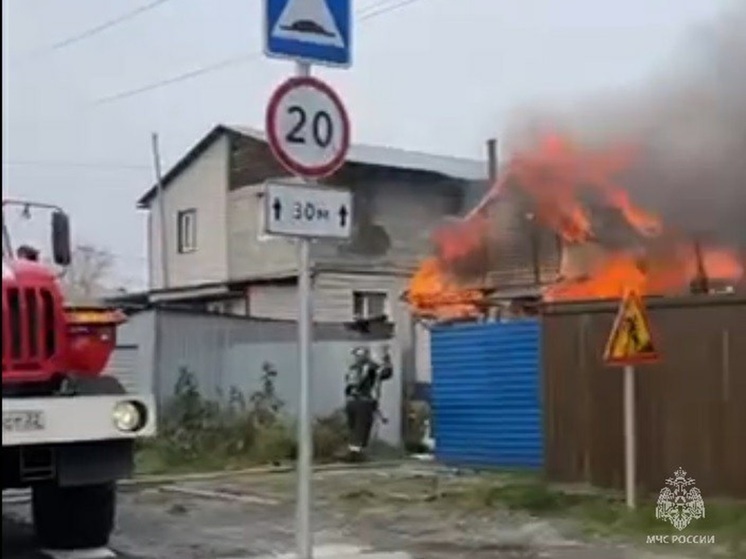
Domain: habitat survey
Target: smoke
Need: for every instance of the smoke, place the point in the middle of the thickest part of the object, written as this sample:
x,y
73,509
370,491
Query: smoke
x,y
690,123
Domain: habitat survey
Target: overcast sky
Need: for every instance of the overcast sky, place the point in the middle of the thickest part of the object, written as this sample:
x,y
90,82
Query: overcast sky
x,y
432,75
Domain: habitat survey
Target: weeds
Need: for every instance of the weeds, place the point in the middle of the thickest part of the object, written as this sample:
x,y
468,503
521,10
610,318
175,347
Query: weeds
x,y
418,417
196,433
603,515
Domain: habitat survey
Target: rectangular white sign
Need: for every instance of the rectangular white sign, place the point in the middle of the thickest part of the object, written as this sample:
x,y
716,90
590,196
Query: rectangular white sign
x,y
300,210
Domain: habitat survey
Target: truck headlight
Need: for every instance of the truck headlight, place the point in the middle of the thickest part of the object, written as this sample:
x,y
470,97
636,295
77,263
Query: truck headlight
x,y
128,416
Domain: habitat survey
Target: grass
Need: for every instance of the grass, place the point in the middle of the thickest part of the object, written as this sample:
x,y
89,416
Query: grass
x,y
241,446
607,517
588,514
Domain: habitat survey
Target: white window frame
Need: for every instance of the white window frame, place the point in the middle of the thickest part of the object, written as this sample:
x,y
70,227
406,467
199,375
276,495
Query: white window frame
x,y
186,231
365,294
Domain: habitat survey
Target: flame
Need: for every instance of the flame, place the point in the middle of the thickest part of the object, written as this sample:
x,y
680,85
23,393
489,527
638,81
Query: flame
x,y
564,181
558,174
432,292
648,274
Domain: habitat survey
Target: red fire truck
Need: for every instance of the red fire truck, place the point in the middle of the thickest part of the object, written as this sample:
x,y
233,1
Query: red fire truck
x,y
68,429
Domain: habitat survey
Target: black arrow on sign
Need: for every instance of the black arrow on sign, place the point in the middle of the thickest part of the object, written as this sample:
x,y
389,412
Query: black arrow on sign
x,y
277,208
343,216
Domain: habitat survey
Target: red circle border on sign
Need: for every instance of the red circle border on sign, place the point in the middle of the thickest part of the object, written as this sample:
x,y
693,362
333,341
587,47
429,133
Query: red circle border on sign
x,y
274,141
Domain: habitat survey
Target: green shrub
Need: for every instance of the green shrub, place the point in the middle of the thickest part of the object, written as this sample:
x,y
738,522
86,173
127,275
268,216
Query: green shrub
x,y
198,433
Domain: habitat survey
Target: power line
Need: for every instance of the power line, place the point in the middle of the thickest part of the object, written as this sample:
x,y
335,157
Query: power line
x,y
227,63
76,164
375,10
383,7
99,28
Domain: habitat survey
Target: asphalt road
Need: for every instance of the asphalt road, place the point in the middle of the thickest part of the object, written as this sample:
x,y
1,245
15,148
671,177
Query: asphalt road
x,y
155,525
253,517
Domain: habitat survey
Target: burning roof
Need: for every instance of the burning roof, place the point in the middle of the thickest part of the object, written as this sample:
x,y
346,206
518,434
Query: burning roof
x,y
607,243
590,190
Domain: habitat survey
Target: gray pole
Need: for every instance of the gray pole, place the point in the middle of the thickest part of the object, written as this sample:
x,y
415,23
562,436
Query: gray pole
x,y
630,437
305,441
161,211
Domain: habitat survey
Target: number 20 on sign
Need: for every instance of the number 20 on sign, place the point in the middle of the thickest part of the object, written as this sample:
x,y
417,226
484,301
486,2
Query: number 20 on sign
x,y
307,127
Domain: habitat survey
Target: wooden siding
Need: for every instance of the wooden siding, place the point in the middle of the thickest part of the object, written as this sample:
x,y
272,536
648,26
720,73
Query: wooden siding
x,y
691,407
272,301
522,253
333,293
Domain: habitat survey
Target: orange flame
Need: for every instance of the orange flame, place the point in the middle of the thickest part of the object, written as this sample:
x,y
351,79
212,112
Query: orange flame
x,y
560,179
433,293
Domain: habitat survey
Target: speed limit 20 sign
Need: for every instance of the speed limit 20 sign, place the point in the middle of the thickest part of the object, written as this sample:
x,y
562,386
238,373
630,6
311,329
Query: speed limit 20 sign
x,y
307,127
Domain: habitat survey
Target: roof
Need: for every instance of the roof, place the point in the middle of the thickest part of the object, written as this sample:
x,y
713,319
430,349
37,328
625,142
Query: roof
x,y
454,167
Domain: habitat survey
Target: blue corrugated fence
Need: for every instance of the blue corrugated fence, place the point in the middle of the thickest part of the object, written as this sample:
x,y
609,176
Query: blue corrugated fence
x,y
486,386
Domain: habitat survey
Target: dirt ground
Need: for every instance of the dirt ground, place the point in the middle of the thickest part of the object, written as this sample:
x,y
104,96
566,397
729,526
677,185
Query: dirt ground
x,y
390,509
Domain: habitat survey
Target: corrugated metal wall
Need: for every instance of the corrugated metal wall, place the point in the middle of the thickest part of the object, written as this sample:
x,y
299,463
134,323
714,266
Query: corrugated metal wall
x,y
486,394
132,359
123,366
224,352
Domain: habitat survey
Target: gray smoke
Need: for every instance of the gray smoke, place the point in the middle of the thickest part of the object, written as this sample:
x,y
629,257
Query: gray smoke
x,y
691,124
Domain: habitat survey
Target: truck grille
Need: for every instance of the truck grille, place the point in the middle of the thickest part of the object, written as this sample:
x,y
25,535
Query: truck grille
x,y
28,327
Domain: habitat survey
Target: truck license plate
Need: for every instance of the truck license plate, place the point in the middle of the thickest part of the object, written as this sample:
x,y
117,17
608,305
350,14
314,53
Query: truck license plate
x,y
20,421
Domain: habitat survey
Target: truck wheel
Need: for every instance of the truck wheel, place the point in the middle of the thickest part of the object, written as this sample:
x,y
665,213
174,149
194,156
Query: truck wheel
x,y
74,517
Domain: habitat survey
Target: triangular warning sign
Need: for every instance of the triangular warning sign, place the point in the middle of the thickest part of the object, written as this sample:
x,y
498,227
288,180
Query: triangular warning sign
x,y
308,21
631,339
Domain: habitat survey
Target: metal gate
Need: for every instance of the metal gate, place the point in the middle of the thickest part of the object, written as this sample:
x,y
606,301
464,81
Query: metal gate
x,y
486,388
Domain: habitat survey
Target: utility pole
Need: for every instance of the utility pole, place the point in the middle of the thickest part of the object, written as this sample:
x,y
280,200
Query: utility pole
x,y
163,226
492,175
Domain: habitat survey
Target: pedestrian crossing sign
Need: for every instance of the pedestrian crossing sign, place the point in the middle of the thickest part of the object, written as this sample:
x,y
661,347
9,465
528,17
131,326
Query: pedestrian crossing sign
x,y
631,339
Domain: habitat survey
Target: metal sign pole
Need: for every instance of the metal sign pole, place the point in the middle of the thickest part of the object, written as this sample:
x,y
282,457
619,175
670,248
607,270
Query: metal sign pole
x,y
305,440
630,442
630,342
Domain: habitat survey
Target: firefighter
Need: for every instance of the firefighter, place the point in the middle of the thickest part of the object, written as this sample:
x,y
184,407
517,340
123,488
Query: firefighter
x,y
362,394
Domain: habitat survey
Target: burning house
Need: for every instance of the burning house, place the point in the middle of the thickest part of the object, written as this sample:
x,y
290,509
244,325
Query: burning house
x,y
559,224
581,217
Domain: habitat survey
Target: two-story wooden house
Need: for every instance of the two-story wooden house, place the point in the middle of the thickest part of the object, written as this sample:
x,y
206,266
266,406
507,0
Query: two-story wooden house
x,y
218,258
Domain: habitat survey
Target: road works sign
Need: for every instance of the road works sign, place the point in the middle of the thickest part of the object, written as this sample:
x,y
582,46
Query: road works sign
x,y
295,210
631,339
307,127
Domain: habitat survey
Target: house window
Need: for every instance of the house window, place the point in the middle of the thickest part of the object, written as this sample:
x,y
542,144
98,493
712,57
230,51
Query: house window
x,y
369,304
186,224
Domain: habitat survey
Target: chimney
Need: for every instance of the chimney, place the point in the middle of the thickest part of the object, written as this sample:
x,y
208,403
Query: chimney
x,y
492,160
701,283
